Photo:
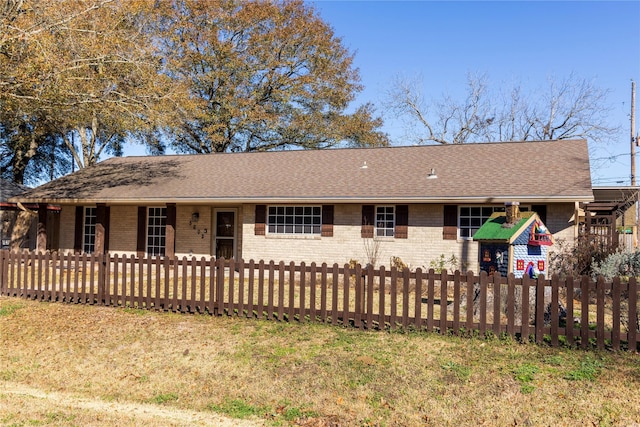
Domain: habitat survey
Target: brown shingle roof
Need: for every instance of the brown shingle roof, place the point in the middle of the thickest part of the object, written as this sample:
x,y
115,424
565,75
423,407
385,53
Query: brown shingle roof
x,y
488,172
10,189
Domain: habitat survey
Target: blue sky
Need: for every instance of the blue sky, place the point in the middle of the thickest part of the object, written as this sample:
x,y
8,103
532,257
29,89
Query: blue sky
x,y
525,42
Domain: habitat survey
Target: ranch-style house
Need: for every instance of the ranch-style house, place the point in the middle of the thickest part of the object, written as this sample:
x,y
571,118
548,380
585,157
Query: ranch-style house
x,y
415,203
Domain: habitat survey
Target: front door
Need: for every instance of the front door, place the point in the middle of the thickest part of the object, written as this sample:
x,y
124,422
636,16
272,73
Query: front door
x,y
225,239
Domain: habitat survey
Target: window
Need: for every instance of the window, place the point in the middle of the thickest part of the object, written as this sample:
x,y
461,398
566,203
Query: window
x,y
89,230
471,218
294,220
156,227
385,221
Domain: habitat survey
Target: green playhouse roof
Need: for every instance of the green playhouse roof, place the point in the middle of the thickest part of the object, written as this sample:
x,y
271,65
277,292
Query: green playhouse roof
x,y
492,229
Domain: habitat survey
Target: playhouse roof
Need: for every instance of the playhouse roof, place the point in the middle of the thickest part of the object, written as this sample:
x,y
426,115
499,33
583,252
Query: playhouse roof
x,y
493,230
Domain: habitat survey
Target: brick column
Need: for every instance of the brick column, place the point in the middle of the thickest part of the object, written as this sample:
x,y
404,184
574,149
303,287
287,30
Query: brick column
x,y
170,231
101,228
41,240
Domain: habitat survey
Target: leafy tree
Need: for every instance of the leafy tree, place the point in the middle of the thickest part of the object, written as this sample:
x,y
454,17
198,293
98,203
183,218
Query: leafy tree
x,y
260,76
81,72
569,108
90,75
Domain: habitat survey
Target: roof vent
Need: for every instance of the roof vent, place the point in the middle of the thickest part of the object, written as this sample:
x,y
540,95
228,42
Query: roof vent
x,y
364,165
432,174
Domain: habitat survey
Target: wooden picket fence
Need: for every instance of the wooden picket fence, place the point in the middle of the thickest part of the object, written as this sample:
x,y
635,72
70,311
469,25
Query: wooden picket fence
x,y
601,314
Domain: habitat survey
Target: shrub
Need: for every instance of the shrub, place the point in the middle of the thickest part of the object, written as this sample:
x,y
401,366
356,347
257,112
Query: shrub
x,y
443,263
618,264
577,259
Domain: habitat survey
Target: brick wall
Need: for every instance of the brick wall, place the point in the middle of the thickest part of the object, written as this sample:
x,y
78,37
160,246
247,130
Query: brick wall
x,y
67,227
423,245
123,230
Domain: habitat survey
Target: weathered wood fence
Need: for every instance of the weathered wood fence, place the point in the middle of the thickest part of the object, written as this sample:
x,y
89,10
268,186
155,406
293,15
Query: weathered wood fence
x,y
573,312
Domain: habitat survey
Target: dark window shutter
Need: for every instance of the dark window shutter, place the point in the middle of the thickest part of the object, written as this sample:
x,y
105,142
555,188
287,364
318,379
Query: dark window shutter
x,y
402,222
368,220
78,231
141,245
327,221
541,210
261,219
450,222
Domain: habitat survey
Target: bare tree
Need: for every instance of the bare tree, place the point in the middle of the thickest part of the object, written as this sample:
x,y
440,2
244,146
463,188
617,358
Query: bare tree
x,y
567,108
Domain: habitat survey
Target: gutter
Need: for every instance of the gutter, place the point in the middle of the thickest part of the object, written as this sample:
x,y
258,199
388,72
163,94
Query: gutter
x,y
310,200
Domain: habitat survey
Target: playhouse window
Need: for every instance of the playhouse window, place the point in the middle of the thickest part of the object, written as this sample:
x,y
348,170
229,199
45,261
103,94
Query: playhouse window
x,y
156,229
294,220
471,218
89,230
385,221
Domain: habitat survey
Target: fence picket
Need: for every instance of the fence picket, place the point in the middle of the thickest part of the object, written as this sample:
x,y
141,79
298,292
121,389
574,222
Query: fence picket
x,y
569,332
261,290
281,291
584,312
484,284
250,290
456,302
444,300
431,295
405,297
470,302
334,295
381,295
555,310
302,316
345,295
497,295
292,291
312,291
370,284
540,288
633,327
393,297
600,312
615,308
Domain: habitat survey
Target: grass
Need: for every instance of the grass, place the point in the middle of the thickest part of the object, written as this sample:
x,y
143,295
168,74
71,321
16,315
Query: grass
x,y
284,374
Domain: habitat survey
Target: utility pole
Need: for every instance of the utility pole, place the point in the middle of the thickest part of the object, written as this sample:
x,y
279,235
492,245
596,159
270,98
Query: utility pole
x,y
634,143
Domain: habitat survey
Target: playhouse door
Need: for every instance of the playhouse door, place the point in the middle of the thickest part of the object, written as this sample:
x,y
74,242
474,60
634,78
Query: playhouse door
x,y
225,239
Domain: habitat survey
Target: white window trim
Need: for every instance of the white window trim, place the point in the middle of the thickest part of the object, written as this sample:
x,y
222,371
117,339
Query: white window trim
x,y
393,226
164,235
89,247
314,226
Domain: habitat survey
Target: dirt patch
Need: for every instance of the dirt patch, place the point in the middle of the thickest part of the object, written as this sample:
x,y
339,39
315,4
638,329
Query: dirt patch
x,y
104,413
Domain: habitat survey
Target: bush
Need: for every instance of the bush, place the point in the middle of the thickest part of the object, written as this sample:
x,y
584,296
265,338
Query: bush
x,y
577,260
618,264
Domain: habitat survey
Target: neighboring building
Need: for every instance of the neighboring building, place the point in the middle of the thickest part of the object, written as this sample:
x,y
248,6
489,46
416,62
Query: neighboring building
x,y
416,203
613,213
18,222
17,226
